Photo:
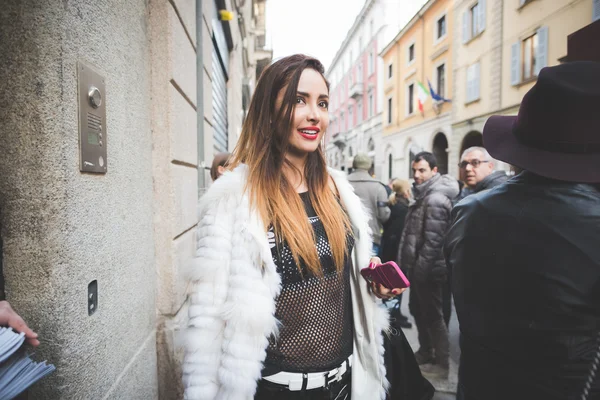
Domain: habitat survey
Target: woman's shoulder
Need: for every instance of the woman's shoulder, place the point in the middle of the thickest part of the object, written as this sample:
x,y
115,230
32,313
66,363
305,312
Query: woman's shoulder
x,y
230,184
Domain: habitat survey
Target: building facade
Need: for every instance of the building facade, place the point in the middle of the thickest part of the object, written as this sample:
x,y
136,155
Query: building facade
x,y
499,48
356,77
110,112
417,62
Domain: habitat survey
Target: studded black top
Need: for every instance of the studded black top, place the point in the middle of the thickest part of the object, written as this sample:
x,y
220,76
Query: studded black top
x,y
316,329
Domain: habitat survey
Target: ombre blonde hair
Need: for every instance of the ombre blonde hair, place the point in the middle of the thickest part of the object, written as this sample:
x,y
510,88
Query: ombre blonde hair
x,y
399,188
263,144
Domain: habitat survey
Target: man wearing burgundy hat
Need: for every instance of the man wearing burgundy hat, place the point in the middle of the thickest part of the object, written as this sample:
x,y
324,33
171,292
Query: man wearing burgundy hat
x,y
525,256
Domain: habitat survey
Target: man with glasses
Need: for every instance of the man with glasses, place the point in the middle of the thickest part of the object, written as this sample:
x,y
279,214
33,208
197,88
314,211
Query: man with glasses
x,y
477,172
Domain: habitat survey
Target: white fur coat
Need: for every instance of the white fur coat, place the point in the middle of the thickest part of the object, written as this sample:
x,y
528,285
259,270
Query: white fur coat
x,y
232,304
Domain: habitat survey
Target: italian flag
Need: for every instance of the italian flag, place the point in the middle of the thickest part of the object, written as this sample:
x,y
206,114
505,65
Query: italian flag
x,y
422,96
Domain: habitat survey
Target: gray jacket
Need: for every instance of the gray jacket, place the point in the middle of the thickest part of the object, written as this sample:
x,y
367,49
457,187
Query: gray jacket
x,y
425,228
373,195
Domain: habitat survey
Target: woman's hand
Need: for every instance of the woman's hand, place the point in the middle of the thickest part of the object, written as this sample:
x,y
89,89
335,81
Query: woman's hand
x,y
381,291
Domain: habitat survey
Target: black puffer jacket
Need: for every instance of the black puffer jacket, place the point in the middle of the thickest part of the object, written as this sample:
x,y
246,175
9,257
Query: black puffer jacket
x,y
425,228
392,230
525,270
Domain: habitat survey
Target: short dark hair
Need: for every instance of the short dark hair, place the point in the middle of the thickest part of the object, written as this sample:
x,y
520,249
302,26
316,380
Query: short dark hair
x,y
427,156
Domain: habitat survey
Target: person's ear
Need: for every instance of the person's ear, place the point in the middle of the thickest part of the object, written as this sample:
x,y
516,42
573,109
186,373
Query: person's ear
x,y
435,170
220,170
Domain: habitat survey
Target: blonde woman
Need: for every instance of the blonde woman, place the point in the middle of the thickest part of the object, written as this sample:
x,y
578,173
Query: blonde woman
x,y
392,232
279,309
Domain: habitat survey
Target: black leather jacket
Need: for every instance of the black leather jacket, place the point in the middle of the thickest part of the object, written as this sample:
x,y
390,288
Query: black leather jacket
x,y
524,259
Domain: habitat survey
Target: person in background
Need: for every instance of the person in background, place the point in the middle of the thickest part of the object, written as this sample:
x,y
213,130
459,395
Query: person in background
x,y
524,256
392,232
420,252
278,307
219,165
373,195
477,169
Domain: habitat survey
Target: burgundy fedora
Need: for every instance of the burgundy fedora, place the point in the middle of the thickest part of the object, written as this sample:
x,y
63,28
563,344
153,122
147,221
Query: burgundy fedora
x,y
557,131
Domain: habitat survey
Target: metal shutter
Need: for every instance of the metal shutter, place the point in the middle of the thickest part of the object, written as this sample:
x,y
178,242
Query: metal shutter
x,y
219,88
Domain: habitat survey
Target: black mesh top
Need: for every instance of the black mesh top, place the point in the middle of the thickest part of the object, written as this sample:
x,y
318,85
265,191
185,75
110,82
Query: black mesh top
x,y
315,312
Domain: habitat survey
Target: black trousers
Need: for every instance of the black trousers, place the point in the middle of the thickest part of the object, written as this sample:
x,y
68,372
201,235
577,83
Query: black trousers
x,y
447,302
426,305
335,391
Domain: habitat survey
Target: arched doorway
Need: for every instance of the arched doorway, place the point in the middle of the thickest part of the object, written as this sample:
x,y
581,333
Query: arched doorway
x,y
471,139
440,151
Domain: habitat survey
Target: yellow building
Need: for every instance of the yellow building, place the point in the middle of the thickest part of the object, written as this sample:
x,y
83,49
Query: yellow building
x,y
499,47
534,36
421,53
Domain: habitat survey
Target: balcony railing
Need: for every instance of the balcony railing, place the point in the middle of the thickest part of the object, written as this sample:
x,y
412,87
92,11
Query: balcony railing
x,y
356,90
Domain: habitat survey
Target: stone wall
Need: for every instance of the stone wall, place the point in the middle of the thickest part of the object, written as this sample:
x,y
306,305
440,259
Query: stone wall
x,y
62,228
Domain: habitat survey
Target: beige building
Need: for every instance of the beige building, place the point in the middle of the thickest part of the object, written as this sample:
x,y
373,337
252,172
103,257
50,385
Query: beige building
x,y
110,112
499,48
421,53
535,35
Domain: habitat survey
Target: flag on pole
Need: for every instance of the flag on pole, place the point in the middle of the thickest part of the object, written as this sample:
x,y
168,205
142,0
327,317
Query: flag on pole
x,y
436,96
421,96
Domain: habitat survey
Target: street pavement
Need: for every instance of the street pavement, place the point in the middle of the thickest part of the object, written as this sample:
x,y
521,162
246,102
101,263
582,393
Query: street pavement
x,y
445,389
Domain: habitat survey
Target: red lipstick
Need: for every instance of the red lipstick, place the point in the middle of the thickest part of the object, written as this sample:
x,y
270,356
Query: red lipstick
x,y
309,132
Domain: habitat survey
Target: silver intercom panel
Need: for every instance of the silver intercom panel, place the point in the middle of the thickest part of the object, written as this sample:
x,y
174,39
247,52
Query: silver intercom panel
x,y
92,119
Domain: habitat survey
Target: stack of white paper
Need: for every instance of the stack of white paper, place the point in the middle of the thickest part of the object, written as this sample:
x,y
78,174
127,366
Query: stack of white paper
x,y
17,370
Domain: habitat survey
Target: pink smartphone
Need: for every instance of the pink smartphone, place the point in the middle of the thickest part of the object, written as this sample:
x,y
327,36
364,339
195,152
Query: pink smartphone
x,y
387,274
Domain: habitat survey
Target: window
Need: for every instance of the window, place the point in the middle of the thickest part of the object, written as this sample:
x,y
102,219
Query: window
x,y
360,74
390,71
390,166
473,21
441,28
389,111
411,99
370,104
359,111
411,53
595,10
441,80
529,50
371,63
472,83
371,145
350,119
342,123
350,151
529,56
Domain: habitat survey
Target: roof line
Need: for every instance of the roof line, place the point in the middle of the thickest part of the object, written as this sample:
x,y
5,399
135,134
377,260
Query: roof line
x,y
408,25
351,31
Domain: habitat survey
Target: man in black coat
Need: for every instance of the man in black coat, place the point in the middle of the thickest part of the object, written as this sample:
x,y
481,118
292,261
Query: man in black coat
x,y
524,257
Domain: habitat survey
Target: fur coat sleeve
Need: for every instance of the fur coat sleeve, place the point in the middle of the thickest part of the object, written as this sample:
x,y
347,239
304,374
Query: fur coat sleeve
x,y
231,303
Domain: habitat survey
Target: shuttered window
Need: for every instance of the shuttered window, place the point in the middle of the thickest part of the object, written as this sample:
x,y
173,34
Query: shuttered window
x,y
473,85
473,21
515,63
541,54
529,56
